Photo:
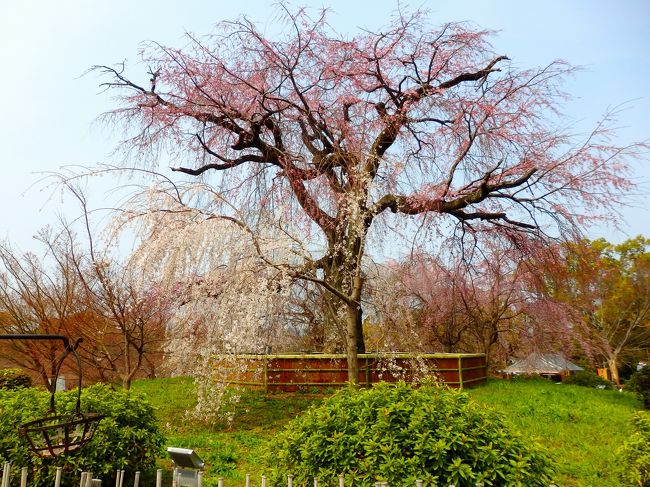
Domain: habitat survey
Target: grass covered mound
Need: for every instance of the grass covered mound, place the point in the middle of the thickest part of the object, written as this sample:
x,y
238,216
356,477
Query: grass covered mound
x,y
398,434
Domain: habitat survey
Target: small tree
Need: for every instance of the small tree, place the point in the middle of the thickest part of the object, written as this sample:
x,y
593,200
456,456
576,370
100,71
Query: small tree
x,y
38,294
328,135
607,287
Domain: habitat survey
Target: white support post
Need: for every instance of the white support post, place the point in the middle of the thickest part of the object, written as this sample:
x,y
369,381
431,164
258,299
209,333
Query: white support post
x,y
6,472
341,480
57,478
82,482
289,480
263,480
248,480
23,476
159,477
121,478
136,481
89,479
419,483
220,482
199,479
315,482
117,478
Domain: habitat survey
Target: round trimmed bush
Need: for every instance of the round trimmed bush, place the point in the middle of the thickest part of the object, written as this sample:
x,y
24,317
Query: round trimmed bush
x,y
397,433
14,379
127,438
640,383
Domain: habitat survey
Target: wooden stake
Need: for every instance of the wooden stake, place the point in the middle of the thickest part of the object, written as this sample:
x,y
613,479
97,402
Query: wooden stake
x,y
5,474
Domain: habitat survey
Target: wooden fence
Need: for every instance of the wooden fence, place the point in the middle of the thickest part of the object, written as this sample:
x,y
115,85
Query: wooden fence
x,y
321,371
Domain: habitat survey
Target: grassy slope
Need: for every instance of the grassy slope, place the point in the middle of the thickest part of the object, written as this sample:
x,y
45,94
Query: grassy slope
x,y
581,427
229,450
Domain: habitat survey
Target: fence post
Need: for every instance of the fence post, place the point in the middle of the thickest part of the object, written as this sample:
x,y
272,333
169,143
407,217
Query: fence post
x,y
367,371
266,374
159,477
263,480
220,482
341,480
82,481
57,477
248,480
419,483
315,482
6,472
89,479
199,479
136,481
23,477
289,480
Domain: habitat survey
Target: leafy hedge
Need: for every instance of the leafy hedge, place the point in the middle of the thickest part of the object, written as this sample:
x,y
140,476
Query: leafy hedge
x,y
640,383
127,438
14,379
635,453
587,378
398,434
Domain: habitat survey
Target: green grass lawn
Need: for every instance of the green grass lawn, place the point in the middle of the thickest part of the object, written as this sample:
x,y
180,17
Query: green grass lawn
x,y
581,427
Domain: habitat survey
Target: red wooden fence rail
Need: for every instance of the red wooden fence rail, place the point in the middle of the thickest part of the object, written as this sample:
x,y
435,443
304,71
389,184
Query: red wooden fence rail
x,y
293,372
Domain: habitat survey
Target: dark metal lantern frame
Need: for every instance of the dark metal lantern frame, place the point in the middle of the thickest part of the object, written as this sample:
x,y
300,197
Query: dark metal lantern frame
x,y
58,434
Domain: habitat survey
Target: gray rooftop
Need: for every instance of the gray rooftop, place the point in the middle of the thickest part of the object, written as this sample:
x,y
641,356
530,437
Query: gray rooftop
x,y
542,363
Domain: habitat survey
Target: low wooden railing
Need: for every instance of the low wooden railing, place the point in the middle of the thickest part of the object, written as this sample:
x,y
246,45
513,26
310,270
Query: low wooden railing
x,y
293,372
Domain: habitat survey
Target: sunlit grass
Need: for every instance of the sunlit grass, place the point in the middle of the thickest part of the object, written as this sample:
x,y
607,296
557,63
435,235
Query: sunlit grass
x,y
581,427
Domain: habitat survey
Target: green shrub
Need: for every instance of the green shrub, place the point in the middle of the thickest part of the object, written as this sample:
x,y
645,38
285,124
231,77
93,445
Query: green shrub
x,y
640,383
14,379
587,378
127,438
398,434
635,453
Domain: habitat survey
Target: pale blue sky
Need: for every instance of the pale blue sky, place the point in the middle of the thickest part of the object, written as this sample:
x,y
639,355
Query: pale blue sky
x,y
48,108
